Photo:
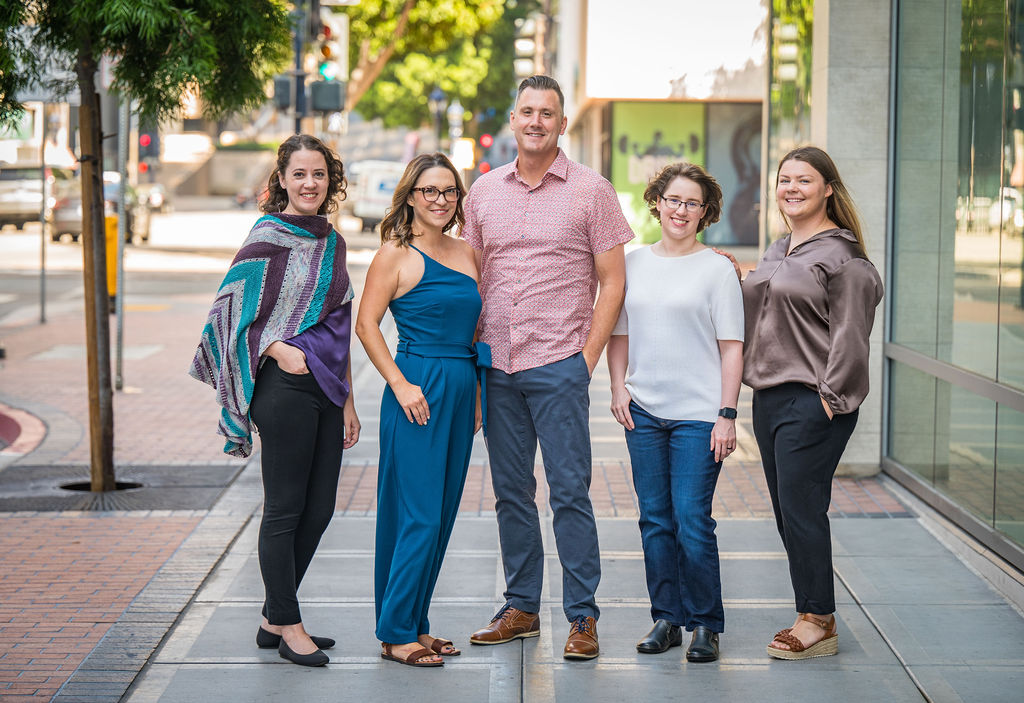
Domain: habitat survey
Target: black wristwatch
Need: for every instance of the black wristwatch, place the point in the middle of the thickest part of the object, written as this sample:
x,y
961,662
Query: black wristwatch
x,y
727,413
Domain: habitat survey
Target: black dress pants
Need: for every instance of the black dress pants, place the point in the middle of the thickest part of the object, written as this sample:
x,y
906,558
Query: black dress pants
x,y
800,450
301,433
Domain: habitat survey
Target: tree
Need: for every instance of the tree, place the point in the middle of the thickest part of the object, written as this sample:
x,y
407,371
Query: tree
x,y
401,49
225,50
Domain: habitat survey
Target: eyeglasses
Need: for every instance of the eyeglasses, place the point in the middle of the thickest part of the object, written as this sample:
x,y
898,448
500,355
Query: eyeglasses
x,y
431,194
676,203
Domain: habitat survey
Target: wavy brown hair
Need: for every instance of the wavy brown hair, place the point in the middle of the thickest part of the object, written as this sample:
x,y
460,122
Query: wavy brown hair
x,y
839,206
277,196
709,188
397,224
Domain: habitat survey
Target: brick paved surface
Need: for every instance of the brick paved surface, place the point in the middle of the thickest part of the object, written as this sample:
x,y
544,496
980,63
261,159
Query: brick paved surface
x,y
65,578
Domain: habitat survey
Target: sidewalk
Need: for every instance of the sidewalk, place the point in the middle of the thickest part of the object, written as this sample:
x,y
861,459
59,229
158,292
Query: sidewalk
x,y
155,595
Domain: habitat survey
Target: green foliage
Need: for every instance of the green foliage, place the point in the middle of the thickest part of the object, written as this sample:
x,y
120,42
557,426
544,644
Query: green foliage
x,y
226,49
464,47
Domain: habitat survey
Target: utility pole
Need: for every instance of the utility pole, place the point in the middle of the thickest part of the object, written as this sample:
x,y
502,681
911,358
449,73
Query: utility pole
x,y
299,74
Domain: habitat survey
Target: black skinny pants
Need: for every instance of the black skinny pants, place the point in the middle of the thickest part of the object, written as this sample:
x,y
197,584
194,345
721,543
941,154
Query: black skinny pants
x,y
800,450
301,433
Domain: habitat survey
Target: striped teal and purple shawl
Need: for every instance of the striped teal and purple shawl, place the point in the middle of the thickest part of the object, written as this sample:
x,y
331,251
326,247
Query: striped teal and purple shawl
x,y
289,273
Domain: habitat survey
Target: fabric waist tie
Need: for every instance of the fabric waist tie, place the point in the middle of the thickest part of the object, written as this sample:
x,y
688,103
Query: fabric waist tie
x,y
478,352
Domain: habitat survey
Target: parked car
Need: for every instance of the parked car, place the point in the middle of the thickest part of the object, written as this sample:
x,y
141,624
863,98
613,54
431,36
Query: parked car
x,y
67,212
373,184
21,191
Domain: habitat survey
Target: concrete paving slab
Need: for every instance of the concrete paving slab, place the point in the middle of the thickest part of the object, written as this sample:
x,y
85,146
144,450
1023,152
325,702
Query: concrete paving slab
x,y
931,635
972,683
285,682
893,538
762,683
908,579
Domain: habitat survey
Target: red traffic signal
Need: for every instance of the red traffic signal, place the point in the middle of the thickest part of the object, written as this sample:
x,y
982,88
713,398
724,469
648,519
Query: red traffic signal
x,y
144,140
486,141
484,167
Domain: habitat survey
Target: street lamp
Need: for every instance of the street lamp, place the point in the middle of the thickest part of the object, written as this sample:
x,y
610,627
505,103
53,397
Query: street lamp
x,y
437,102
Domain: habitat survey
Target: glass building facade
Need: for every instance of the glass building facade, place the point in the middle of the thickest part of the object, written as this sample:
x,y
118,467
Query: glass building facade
x,y
955,338
953,378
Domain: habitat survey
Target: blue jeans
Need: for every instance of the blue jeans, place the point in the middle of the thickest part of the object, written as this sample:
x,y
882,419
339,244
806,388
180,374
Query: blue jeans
x,y
674,473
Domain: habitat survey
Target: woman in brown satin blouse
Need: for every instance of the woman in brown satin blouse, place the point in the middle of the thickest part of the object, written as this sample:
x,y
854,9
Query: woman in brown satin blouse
x,y
810,305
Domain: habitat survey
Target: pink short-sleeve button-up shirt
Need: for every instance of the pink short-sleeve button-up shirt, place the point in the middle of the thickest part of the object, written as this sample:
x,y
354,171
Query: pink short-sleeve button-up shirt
x,y
538,280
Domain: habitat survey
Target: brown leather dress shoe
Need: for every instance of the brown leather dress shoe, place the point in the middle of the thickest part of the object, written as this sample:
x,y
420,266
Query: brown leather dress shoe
x,y
508,624
582,642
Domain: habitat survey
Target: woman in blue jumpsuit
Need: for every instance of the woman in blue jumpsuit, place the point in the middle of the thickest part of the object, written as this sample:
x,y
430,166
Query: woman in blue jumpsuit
x,y
430,409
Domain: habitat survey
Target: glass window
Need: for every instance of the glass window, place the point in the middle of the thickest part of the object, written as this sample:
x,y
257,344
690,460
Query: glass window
x,y
1010,474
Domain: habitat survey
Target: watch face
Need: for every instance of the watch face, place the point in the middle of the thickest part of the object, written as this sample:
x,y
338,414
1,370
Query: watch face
x,y
728,413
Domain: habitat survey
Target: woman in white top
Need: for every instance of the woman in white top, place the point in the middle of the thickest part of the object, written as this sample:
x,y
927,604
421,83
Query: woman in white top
x,y
676,358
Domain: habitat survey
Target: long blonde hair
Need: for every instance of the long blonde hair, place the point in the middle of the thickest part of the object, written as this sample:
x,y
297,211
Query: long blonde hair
x,y
839,206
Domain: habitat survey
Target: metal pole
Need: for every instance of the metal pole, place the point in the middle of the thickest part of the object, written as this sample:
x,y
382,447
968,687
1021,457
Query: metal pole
x,y
299,84
123,128
42,223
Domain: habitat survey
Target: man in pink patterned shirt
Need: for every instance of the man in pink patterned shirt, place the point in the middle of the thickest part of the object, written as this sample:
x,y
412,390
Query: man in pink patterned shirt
x,y
547,231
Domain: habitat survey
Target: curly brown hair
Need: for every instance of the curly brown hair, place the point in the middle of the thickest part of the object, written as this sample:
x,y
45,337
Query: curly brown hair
x,y
709,188
397,224
277,196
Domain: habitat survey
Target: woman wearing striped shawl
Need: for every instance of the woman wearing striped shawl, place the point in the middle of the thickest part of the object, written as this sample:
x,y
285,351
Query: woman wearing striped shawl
x,y
276,350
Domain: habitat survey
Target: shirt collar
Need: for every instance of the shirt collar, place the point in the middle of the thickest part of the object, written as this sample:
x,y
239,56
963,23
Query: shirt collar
x,y
559,168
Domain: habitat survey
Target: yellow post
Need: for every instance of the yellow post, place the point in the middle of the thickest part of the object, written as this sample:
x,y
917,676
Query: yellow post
x,y
110,233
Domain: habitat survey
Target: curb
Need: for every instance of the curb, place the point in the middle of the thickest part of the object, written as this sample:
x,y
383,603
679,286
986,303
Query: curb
x,y
110,669
21,432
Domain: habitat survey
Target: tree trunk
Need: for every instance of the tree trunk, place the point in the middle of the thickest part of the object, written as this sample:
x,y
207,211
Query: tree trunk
x,y
94,272
369,67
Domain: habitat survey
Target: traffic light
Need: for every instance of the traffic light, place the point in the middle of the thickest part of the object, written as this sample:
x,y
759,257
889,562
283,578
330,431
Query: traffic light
x,y
332,46
149,145
484,162
327,96
283,92
525,47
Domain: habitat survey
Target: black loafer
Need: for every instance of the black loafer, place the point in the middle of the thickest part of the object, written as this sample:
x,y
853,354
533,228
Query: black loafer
x,y
662,636
317,658
704,645
266,640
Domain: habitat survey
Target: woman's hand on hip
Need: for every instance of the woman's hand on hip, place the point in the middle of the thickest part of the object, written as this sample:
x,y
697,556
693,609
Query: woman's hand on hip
x,y
620,407
723,438
290,359
828,408
413,402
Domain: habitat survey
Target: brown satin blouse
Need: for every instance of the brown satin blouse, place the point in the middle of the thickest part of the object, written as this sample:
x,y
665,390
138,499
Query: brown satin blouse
x,y
808,317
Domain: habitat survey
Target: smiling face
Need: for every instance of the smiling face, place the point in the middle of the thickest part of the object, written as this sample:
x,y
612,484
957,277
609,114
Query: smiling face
x,y
678,224
305,180
801,191
433,215
537,121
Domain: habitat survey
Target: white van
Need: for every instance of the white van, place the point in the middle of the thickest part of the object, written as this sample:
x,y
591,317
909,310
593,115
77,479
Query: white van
x,y
373,184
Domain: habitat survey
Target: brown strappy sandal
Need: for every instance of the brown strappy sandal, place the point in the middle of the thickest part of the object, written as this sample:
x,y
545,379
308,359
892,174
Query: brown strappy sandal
x,y
828,645
438,645
412,659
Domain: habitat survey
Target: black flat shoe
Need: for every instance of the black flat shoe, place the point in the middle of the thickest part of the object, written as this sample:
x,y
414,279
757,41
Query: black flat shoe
x,y
317,658
704,645
266,640
662,636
